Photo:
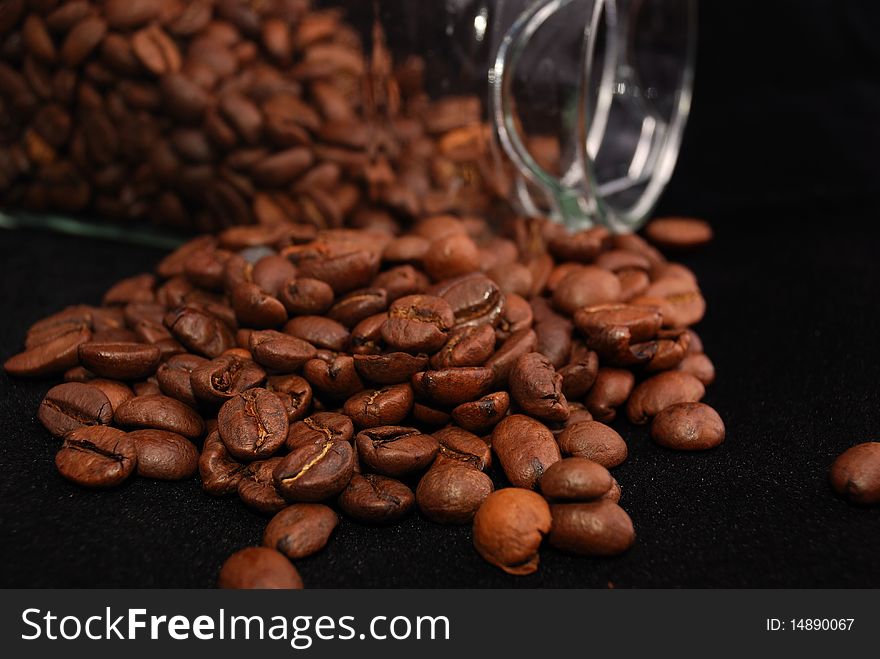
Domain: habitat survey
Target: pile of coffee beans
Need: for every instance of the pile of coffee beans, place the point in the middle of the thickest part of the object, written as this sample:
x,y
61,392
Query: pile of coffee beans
x,y
464,370
209,113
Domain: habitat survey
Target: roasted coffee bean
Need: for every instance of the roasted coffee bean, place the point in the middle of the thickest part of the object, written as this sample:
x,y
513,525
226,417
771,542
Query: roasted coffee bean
x,y
467,346
679,300
156,50
509,527
594,441
120,361
585,287
418,323
375,499
583,246
401,280
164,455
358,305
481,415
225,377
255,308
319,331
700,366
300,530
315,472
200,331
220,474
390,368
678,233
512,278
344,267
72,318
380,407
553,340
146,388
474,299
257,487
453,386
259,568
160,413
429,416
137,289
253,424
96,456
366,336
174,377
610,390
518,344
279,351
295,393
451,256
82,39
458,446
659,392
669,348
537,388
688,427
116,392
52,357
601,528
320,428
580,373
525,449
616,332
336,378
855,474
451,493
74,405
576,479
395,450
516,315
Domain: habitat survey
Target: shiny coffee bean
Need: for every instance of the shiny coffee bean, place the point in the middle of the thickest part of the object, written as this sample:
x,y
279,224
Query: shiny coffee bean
x,y
515,346
525,448
418,324
96,456
320,428
458,446
335,378
537,388
453,386
358,305
259,568
253,424
219,472
474,299
120,361
580,373
164,455
659,392
380,407
481,415
302,296
470,345
300,530
315,472
614,331
295,393
576,479
174,377
257,488
509,527
200,331
688,427
855,474
395,450
52,357
225,377
585,287
255,308
74,405
319,331
594,441
375,499
610,390
601,528
390,368
160,413
452,493
279,351
116,392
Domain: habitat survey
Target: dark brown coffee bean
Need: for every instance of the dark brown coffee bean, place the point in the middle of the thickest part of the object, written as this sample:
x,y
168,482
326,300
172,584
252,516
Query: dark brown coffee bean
x,y
255,308
678,233
580,373
271,272
700,366
395,450
591,529
336,378
257,488
253,424
679,300
300,530
315,472
366,336
380,407
453,386
37,39
282,168
52,357
430,416
121,361
467,346
374,499
512,278
96,456
583,246
451,256
390,368
452,493
586,287
509,528
279,351
418,323
174,377
525,449
669,348
133,289
72,318
610,390
576,479
481,415
345,268
458,446
400,281
145,388
82,40
659,392
116,392
200,331
164,455
617,332
302,296
295,393
260,568
358,305
518,344
553,337
220,474
474,299
156,50
320,428
319,331
537,388
160,413
128,14
225,377
594,441
74,405
688,427
855,474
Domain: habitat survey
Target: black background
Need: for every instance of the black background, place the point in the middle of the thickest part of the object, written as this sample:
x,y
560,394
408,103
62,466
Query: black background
x,y
780,156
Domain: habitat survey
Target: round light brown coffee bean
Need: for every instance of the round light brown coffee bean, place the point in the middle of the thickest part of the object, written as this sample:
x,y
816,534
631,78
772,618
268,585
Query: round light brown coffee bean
x,y
96,456
164,455
659,392
594,441
525,448
601,528
300,530
509,527
855,474
688,427
576,479
259,568
452,493
74,405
